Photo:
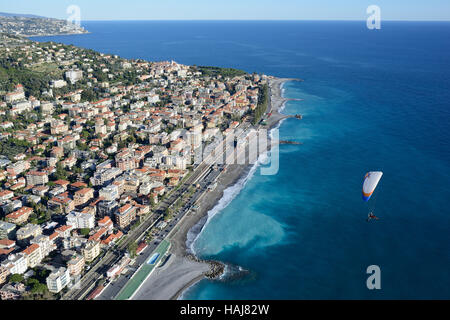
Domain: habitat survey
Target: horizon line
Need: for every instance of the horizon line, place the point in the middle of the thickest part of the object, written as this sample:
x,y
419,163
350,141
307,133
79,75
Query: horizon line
x,y
271,20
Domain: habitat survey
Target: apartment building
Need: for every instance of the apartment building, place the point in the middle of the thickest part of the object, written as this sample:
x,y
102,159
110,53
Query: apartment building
x,y
58,280
33,254
82,196
80,220
36,178
109,193
76,265
125,215
16,263
28,231
7,230
19,216
91,250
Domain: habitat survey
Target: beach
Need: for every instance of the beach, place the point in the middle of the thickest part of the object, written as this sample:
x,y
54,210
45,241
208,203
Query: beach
x,y
183,269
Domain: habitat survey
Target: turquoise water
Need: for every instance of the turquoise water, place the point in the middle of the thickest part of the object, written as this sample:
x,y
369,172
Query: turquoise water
x,y
372,100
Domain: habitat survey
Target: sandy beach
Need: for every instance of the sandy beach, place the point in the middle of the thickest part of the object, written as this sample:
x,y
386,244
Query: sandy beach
x,y
181,271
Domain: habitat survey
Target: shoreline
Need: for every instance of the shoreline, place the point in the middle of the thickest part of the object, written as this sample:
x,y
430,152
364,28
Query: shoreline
x,y
189,269
54,35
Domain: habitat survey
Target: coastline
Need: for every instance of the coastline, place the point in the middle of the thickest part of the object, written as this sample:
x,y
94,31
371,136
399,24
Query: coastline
x,y
54,35
185,269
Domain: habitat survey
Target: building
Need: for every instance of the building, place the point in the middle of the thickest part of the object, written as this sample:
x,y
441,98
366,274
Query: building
x,y
33,254
19,216
57,152
109,193
36,178
17,168
80,220
82,196
16,263
7,244
125,215
106,223
106,208
44,243
91,250
74,75
64,231
105,176
76,265
4,273
58,280
12,291
6,195
14,96
47,107
125,161
7,230
57,84
62,203
28,231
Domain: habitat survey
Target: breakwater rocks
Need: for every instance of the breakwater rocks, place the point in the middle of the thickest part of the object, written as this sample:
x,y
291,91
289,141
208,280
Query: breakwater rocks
x,y
216,268
290,142
296,116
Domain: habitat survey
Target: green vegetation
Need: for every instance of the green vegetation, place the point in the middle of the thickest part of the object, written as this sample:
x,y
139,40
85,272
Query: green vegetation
x,y
16,278
263,101
13,147
37,288
61,173
132,247
224,72
12,74
85,232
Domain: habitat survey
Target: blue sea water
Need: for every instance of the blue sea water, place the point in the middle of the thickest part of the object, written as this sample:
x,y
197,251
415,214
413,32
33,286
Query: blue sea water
x,y
372,100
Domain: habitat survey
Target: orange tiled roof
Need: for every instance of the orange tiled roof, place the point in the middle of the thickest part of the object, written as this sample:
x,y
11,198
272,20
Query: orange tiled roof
x,y
32,248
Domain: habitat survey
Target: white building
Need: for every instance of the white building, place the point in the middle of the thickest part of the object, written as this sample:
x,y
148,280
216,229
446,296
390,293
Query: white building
x,y
74,75
58,280
109,193
45,244
21,107
58,84
16,263
81,220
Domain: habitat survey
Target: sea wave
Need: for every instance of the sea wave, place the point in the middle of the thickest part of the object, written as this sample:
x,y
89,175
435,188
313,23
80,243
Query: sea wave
x,y
282,90
228,195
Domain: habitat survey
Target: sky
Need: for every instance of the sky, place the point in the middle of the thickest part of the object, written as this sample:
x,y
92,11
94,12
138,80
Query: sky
x,y
233,9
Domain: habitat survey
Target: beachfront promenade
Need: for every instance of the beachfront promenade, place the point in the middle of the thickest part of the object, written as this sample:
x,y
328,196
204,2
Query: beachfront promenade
x,y
143,272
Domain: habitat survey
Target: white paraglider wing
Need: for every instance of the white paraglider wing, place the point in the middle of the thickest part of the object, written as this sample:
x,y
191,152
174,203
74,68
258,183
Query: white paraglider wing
x,y
371,181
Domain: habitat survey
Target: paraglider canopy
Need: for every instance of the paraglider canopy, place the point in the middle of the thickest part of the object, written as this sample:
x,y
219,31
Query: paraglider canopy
x,y
371,180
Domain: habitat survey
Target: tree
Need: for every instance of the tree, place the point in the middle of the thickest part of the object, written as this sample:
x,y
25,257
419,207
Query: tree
x,y
132,248
31,282
16,278
39,288
85,231
61,173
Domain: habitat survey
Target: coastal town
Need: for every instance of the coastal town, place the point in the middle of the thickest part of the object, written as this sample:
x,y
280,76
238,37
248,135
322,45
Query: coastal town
x,y
32,26
98,159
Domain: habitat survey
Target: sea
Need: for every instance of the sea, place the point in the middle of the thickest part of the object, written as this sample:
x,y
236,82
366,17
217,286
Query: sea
x,y
371,100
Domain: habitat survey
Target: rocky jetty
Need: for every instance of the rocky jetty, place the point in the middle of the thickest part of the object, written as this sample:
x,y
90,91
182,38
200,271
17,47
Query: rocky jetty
x,y
216,268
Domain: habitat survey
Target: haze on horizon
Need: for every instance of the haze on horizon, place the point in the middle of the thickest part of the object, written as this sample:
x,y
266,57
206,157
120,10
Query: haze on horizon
x,y
233,9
